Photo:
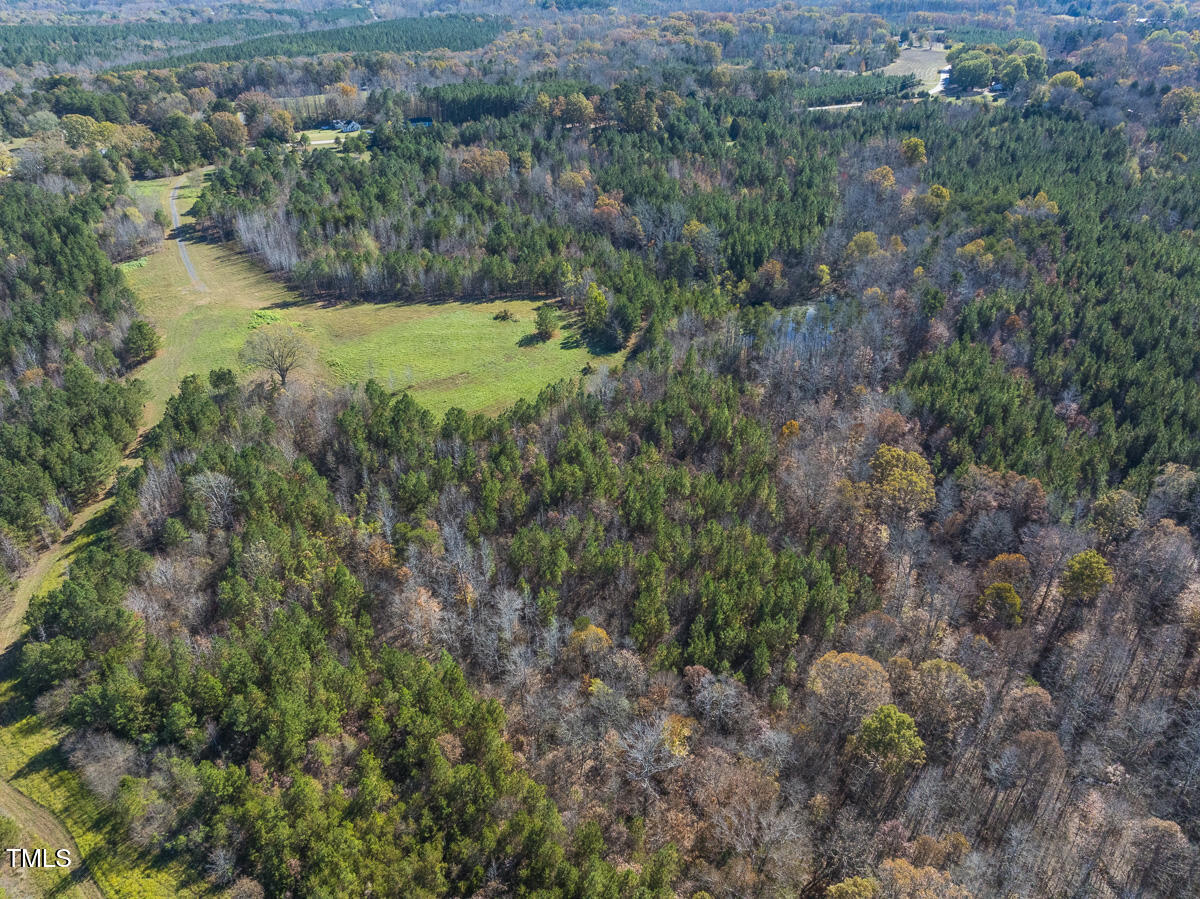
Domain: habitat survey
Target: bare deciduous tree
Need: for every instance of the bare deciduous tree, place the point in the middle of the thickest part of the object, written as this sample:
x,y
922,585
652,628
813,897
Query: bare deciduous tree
x,y
1161,858
722,702
245,888
102,760
1157,563
278,349
220,865
217,491
10,553
646,754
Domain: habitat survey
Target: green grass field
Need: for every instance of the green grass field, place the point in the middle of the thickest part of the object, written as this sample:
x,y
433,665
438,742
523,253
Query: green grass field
x,y
159,189
448,354
925,64
320,134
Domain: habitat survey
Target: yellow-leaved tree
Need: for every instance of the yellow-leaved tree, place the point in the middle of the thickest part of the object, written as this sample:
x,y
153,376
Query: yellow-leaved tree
x,y
901,487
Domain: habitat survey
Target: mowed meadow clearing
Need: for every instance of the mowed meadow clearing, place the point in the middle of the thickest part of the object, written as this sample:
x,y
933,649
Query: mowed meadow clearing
x,y
924,62
446,353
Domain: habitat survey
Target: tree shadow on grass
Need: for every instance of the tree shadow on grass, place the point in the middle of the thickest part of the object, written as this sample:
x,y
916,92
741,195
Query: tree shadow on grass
x,y
329,299
78,875
573,340
596,346
189,233
17,706
8,665
50,759
534,339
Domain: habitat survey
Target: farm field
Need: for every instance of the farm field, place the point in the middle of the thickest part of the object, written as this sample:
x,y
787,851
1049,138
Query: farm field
x,y
925,64
447,353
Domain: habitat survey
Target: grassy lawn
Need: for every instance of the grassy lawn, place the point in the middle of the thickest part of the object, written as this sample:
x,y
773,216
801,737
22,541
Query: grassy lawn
x,y
925,64
33,882
448,354
159,188
321,134
21,881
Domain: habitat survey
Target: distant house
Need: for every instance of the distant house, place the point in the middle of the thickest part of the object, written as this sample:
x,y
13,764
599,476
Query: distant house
x,y
351,128
421,122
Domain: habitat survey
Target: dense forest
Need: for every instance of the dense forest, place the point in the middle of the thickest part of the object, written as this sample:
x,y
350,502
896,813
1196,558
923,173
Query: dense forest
x,y
29,44
395,35
91,40
414,218
67,330
868,571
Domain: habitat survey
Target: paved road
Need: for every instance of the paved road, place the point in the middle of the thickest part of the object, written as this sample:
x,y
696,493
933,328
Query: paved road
x,y
179,241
